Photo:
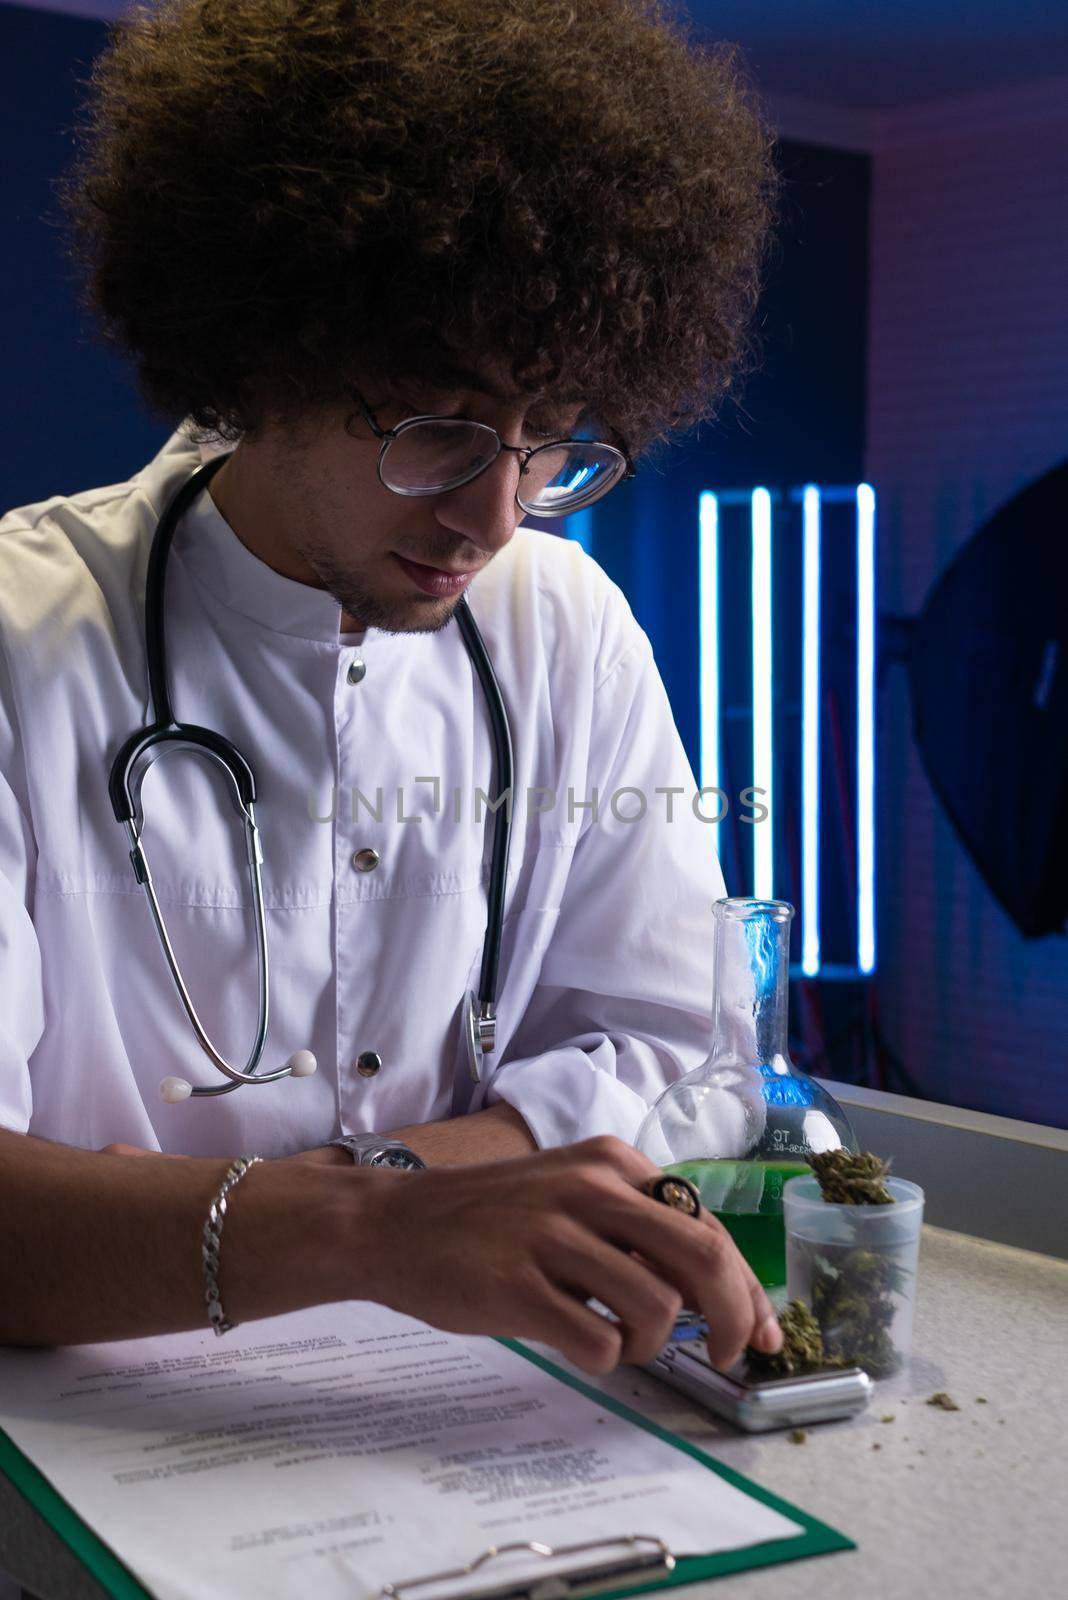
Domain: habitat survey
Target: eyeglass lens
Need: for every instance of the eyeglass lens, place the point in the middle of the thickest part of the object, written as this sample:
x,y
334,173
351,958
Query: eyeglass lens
x,y
434,456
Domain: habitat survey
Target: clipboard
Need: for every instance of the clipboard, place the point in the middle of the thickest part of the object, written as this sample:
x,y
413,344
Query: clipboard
x,y
646,1565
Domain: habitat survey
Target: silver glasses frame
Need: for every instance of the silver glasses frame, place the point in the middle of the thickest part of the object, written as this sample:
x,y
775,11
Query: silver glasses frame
x,y
389,436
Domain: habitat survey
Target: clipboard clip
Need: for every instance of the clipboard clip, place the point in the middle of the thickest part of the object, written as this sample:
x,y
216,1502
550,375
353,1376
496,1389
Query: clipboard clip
x,y
647,1564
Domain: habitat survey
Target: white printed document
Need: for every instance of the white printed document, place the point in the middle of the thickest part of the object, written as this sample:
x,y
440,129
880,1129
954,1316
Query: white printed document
x,y
330,1452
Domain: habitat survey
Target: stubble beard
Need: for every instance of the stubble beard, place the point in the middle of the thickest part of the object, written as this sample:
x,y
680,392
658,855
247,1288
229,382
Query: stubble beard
x,y
357,599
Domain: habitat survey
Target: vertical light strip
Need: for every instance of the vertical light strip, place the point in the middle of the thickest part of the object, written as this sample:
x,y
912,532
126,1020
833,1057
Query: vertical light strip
x,y
866,728
708,663
810,733
763,832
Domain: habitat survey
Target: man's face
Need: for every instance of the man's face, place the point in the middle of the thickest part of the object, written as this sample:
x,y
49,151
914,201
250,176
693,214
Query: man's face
x,y
396,563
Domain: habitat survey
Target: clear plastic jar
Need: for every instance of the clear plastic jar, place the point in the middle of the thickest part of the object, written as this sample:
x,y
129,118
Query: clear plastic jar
x,y
855,1267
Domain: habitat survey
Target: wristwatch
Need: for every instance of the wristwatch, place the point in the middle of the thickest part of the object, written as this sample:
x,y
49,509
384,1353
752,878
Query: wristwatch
x,y
373,1150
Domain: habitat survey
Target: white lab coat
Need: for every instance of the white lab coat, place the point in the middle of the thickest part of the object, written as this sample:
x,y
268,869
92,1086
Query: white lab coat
x,y
605,984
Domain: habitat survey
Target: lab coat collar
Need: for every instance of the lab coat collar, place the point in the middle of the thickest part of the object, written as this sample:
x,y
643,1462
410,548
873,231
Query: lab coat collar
x,y
210,549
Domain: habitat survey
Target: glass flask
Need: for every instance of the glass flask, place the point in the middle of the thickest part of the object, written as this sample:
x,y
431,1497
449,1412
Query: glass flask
x,y
747,1120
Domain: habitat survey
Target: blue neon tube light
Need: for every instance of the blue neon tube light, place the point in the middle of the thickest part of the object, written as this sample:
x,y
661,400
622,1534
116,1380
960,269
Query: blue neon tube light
x,y
708,661
763,832
810,734
866,728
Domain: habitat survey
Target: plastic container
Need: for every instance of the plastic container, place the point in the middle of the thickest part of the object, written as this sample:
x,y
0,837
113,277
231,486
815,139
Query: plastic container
x,y
856,1268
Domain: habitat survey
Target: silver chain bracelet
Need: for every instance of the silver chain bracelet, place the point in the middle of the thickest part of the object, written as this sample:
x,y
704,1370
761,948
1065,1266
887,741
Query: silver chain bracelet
x,y
209,1250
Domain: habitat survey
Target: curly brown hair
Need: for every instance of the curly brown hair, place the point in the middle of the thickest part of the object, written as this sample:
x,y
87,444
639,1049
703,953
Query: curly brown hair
x,y
273,196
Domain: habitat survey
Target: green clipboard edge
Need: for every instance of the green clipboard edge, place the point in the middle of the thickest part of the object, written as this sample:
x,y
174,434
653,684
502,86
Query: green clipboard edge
x,y
97,1557
817,1539
111,1573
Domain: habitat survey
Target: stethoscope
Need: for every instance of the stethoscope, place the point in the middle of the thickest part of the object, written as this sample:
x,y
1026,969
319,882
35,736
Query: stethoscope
x,y
165,733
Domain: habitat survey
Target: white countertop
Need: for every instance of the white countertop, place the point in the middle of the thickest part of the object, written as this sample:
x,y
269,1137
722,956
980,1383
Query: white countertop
x,y
955,1505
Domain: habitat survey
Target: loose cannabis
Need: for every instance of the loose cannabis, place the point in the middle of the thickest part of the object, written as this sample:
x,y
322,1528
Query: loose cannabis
x,y
852,1298
802,1346
852,1289
943,1401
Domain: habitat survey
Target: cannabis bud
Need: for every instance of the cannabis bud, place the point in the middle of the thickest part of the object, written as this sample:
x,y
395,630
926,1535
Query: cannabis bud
x,y
802,1345
852,1180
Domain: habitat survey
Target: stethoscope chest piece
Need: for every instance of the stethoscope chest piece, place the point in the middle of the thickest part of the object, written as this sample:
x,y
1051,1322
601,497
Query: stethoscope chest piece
x,y
480,1032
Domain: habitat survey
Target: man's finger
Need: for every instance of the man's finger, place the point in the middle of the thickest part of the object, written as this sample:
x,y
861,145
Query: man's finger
x,y
646,1305
698,1256
583,1336
767,1335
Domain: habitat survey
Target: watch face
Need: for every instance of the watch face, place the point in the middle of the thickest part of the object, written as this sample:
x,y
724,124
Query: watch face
x,y
406,1160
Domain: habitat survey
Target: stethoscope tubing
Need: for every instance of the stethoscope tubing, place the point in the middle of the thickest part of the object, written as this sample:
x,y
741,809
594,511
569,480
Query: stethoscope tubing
x,y
164,732
501,732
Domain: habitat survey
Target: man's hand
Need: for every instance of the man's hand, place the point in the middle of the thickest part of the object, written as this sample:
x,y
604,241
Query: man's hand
x,y
516,1248
110,1249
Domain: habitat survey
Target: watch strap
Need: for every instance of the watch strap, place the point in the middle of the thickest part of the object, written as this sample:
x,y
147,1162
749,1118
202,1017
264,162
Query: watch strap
x,y
367,1149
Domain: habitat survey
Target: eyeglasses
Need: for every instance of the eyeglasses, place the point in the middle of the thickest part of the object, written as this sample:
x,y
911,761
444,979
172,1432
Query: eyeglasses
x,y
431,455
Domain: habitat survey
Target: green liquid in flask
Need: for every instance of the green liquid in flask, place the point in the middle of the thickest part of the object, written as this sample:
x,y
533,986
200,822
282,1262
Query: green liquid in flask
x,y
746,1196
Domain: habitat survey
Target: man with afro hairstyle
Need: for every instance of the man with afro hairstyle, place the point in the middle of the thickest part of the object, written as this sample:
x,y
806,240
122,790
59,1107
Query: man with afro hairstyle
x,y
414,270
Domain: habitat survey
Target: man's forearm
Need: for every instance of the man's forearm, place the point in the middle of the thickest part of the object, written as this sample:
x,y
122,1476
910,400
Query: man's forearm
x,y
491,1135
96,1248
495,1134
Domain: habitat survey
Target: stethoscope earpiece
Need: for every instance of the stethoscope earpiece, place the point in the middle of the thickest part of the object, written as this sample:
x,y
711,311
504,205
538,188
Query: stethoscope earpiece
x,y
301,1064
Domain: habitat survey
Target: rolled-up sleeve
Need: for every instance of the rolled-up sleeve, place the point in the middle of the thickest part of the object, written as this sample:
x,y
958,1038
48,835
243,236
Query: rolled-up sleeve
x,y
623,1005
21,989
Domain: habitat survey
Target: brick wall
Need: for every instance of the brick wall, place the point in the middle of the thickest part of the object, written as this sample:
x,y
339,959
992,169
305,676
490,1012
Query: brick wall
x,y
968,400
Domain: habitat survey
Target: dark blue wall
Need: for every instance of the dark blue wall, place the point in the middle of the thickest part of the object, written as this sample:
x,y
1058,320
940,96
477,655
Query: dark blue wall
x,y
799,418
71,420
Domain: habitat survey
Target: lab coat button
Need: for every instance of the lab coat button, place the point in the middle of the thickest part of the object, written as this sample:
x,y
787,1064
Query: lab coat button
x,y
357,670
368,1063
365,860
